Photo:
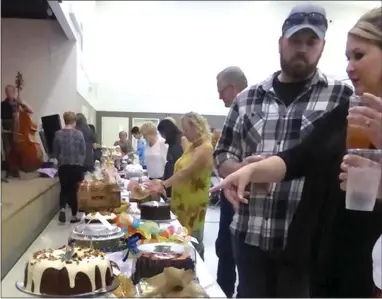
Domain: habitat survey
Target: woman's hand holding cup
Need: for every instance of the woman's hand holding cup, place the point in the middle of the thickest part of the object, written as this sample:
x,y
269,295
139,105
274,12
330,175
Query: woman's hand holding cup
x,y
368,117
361,178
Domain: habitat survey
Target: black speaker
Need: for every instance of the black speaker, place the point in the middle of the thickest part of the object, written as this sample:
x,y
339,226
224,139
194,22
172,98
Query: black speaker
x,y
50,124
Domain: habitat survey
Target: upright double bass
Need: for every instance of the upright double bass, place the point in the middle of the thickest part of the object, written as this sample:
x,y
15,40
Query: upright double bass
x,y
26,154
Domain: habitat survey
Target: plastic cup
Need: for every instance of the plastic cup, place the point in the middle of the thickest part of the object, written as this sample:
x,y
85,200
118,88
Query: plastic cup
x,y
364,180
356,137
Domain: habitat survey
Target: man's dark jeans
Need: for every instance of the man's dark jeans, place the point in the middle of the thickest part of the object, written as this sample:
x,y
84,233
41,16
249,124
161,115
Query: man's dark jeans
x,y
226,276
265,275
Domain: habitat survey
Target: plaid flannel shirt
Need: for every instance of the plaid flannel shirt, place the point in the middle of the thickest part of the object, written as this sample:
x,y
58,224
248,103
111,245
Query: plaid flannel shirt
x,y
258,122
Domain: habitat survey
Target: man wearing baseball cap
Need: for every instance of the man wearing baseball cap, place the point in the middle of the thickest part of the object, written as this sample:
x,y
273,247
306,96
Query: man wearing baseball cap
x,y
271,239
299,58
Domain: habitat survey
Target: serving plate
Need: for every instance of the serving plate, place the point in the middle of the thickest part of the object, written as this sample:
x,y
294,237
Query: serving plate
x,y
20,286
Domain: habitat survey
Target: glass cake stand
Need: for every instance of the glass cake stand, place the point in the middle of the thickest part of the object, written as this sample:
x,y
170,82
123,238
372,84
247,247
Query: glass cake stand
x,y
107,238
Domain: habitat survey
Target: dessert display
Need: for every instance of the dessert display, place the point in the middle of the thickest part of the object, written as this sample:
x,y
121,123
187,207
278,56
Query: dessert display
x,y
126,288
133,171
99,191
150,231
93,217
172,283
123,208
134,209
54,272
111,153
154,258
154,210
98,236
140,194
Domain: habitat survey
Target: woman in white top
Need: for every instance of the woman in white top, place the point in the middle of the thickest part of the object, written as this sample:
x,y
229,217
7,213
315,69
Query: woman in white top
x,y
155,152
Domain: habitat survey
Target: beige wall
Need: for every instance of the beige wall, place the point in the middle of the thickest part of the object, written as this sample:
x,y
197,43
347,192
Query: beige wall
x,y
47,59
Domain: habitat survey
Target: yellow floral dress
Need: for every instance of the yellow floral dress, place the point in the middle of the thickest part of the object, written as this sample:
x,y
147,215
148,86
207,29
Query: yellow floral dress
x,y
189,198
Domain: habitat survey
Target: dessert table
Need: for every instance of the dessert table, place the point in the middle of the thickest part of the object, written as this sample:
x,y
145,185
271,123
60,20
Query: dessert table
x,y
56,235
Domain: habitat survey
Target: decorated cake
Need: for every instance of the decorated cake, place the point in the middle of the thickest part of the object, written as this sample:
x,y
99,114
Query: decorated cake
x,y
154,210
110,217
54,272
154,258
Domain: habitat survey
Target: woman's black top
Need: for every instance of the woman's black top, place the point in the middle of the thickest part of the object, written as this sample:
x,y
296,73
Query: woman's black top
x,y
174,152
333,243
90,139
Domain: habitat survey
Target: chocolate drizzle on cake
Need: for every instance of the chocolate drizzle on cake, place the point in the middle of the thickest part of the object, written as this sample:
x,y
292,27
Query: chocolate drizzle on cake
x,y
150,264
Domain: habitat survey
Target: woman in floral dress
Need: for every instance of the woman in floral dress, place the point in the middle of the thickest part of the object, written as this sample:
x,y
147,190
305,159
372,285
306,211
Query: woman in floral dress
x,y
192,178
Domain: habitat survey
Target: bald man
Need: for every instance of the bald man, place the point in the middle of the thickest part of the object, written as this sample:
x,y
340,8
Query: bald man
x,y
230,82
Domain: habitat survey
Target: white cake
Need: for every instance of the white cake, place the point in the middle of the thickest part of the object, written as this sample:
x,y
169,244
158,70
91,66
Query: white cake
x,y
110,217
49,272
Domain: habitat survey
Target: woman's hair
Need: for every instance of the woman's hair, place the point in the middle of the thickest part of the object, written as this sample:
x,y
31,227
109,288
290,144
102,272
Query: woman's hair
x,y
69,118
135,130
199,123
92,127
369,27
122,134
81,120
148,128
169,131
171,119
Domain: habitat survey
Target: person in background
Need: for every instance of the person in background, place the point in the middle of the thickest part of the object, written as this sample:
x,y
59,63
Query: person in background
x,y
69,149
90,140
125,144
215,137
230,82
9,107
96,146
269,117
336,242
141,145
183,140
173,136
192,178
155,151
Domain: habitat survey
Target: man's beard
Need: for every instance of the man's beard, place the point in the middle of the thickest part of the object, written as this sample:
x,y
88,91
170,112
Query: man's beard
x,y
297,73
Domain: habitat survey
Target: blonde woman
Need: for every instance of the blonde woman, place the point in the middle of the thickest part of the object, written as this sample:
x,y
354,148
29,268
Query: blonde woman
x,y
192,177
156,151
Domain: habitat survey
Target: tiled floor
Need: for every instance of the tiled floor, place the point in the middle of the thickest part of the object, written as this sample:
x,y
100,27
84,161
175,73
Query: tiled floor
x,y
210,234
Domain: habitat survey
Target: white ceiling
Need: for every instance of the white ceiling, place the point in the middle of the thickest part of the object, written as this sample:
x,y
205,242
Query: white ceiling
x,y
144,54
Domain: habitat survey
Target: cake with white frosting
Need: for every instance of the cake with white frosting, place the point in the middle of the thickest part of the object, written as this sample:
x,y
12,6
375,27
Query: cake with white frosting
x,y
50,272
94,217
